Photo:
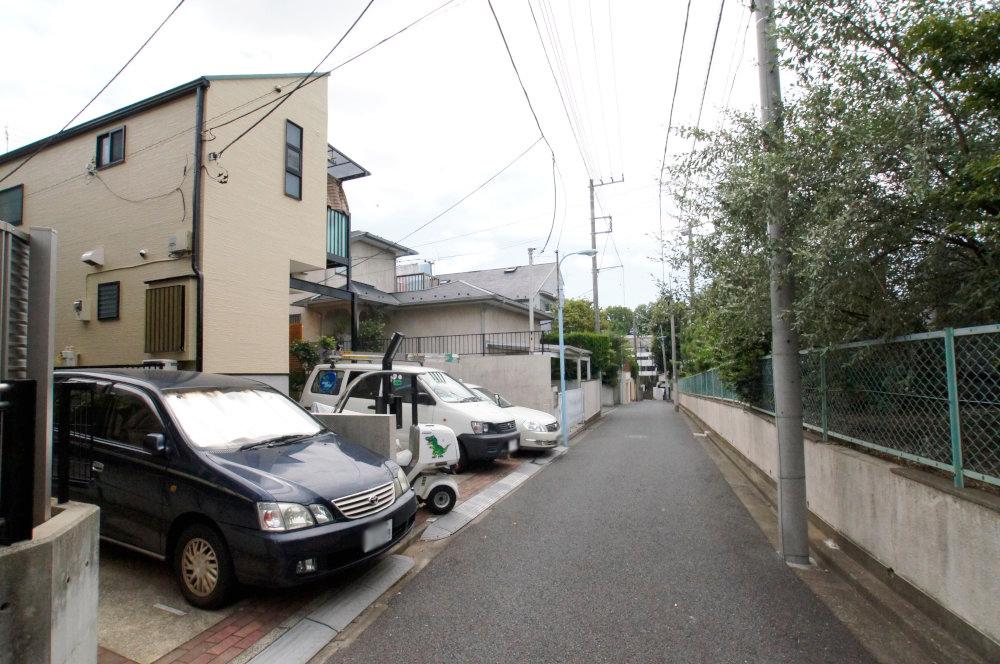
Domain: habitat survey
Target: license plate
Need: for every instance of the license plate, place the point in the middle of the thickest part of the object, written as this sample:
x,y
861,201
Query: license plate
x,y
376,536
512,445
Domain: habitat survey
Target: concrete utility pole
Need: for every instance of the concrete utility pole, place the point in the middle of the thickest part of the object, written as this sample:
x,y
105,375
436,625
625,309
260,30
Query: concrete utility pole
x,y
792,511
593,245
673,364
663,355
531,299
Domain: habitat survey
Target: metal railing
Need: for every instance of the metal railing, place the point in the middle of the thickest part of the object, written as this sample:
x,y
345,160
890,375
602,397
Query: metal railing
x,y
490,343
931,398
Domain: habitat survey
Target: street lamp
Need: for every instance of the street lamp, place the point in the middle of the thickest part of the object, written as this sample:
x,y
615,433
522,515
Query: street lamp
x,y
562,341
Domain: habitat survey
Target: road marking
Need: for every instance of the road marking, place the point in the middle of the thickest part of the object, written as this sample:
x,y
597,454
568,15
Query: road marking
x,y
169,609
636,435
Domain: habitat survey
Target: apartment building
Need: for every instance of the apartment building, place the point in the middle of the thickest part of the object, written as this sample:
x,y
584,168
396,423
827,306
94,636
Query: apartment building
x,y
181,236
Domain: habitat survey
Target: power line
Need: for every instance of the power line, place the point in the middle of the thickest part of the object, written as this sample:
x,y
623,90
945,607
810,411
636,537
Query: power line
x,y
301,83
597,76
99,92
739,61
614,80
670,115
531,107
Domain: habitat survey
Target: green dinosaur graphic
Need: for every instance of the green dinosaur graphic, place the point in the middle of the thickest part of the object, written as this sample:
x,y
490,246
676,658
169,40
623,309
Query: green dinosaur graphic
x,y
436,450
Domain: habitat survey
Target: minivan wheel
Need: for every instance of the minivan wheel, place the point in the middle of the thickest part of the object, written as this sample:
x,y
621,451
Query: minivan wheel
x,y
441,499
463,460
203,567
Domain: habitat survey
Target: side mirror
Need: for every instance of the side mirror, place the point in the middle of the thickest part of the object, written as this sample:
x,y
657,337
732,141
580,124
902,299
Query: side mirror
x,y
155,443
496,398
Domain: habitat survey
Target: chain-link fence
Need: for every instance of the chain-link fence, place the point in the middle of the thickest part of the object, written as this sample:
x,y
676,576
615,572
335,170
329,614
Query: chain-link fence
x,y
931,398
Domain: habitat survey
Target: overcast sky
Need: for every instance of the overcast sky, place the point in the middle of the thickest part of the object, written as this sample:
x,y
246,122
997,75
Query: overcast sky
x,y
432,113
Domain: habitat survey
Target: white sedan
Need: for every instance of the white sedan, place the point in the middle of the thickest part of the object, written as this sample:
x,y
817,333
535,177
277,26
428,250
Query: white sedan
x,y
539,430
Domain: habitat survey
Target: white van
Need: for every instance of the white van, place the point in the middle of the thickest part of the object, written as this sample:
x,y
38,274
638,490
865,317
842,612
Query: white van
x,y
484,431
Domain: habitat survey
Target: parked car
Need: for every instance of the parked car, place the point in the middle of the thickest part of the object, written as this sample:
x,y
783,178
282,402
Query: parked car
x,y
485,432
539,430
227,479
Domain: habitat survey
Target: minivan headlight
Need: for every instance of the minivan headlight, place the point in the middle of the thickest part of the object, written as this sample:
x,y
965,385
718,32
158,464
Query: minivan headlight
x,y
480,427
321,514
402,483
277,517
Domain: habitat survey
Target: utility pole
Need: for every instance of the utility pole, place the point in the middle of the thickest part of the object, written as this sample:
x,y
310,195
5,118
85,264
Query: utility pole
x,y
593,245
663,355
673,363
792,511
531,301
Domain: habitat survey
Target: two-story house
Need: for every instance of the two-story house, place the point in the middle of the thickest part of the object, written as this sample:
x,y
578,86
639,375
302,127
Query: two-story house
x,y
186,219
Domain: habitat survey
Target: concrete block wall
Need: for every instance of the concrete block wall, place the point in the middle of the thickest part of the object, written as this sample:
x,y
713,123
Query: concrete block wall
x,y
944,544
375,432
48,591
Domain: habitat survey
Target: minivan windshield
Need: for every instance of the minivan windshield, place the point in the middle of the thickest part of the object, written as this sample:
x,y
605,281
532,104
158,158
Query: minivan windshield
x,y
226,419
448,389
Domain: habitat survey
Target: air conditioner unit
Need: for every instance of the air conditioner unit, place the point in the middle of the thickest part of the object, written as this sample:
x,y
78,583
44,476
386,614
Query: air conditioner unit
x,y
179,243
94,257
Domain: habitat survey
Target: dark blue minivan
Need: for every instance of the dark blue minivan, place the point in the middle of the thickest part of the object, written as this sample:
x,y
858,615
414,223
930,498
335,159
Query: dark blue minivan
x,y
227,479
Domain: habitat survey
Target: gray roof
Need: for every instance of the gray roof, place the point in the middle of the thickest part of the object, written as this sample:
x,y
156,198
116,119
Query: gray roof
x,y
516,282
379,241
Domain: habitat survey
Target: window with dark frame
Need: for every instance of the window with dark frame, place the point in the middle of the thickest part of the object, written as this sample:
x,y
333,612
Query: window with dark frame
x,y
108,300
293,160
12,205
111,147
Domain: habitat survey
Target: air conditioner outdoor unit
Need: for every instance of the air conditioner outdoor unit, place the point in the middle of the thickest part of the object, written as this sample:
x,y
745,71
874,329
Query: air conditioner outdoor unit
x,y
179,242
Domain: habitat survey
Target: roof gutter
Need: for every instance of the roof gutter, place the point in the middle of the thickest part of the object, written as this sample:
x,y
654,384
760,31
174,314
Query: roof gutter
x,y
199,145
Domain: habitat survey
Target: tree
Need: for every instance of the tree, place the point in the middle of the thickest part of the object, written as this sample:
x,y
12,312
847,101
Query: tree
x,y
620,319
578,316
891,159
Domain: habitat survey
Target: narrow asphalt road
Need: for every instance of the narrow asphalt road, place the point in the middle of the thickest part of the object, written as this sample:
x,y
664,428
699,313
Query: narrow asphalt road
x,y
631,548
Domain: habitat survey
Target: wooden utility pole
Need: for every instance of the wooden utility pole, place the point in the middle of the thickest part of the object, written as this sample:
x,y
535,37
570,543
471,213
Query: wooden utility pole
x,y
792,511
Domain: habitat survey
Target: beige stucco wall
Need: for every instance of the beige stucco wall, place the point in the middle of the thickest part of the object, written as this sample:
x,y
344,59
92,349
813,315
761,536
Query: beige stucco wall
x,y
469,318
373,266
253,234
130,206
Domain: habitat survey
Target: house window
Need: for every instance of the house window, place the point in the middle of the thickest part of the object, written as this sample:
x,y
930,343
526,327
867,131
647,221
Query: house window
x,y
111,148
165,319
293,160
336,232
11,204
108,300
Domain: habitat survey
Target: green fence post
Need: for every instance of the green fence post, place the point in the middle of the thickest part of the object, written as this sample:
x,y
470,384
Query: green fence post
x,y
953,412
823,412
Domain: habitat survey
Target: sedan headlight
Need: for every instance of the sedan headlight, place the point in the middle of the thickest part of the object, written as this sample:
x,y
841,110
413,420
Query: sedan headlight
x,y
284,516
531,425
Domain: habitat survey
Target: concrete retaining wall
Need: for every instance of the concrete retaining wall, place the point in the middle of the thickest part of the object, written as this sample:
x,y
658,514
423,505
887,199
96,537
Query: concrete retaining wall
x,y
591,398
945,542
48,591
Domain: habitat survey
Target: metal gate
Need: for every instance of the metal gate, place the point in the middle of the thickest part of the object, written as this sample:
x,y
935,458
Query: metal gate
x,y
13,303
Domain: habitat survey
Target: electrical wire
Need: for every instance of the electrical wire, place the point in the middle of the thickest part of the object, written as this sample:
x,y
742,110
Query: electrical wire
x,y
670,114
99,92
597,76
739,61
538,123
614,80
301,82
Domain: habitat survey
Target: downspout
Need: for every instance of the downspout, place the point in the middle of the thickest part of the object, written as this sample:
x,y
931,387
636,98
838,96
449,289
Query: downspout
x,y
199,120
350,289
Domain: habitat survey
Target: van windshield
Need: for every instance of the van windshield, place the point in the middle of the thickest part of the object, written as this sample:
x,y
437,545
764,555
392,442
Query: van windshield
x,y
448,389
225,419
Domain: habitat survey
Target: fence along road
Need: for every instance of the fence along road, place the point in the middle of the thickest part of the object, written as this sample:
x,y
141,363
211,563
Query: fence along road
x,y
932,398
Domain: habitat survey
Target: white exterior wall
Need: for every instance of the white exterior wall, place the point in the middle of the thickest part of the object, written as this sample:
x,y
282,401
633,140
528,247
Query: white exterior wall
x,y
944,545
524,380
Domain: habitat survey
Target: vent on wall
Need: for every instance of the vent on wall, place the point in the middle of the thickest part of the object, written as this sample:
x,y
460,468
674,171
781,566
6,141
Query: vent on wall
x,y
165,319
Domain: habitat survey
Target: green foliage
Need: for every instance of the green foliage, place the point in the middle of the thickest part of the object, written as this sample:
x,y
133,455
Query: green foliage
x,y
371,332
578,315
328,343
888,168
620,319
306,352
599,344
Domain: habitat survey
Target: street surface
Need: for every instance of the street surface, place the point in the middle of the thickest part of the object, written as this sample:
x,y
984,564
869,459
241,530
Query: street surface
x,y
632,547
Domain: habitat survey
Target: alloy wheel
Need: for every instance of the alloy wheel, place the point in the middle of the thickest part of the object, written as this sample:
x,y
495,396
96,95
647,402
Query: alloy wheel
x,y
199,567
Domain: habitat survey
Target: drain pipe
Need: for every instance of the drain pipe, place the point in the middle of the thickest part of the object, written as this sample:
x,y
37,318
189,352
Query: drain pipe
x,y
199,143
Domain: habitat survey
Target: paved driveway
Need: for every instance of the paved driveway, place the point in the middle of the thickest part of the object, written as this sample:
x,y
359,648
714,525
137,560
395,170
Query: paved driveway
x,y
630,548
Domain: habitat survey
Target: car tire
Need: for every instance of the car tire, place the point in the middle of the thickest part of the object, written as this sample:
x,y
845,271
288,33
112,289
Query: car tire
x,y
203,567
441,499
